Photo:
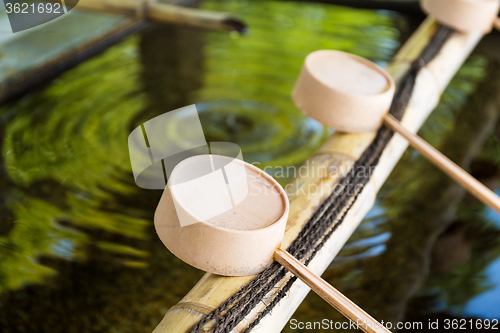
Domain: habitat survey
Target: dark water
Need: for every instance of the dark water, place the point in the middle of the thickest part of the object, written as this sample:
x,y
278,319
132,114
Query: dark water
x,y
78,252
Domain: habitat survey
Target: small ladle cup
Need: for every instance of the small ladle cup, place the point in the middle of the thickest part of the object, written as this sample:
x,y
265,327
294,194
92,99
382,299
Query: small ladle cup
x,y
228,217
352,94
465,15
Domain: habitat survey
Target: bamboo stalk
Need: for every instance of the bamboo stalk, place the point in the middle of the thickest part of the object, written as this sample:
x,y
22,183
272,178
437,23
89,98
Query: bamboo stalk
x,y
340,150
165,13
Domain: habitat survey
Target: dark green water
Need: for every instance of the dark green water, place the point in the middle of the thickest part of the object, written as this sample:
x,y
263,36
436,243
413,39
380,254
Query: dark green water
x,y
78,252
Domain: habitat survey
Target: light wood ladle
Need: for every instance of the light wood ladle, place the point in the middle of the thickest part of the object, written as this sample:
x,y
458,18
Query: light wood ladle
x,y
242,240
464,15
352,94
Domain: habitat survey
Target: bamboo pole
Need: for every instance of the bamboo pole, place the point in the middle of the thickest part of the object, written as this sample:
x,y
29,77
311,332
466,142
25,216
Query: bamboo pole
x,y
340,150
166,13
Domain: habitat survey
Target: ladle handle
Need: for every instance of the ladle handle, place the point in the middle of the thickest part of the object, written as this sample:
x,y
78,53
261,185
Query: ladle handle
x,y
471,184
344,305
496,24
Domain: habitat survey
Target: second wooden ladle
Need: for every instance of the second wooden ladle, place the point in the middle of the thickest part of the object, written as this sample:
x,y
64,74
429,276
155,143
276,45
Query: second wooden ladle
x,y
465,15
351,94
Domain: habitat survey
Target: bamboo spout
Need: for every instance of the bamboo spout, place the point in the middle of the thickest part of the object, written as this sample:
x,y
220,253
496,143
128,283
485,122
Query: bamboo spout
x,y
194,17
165,13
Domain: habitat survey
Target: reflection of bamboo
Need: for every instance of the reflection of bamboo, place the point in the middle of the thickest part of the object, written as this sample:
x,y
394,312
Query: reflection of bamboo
x,y
165,13
167,84
339,152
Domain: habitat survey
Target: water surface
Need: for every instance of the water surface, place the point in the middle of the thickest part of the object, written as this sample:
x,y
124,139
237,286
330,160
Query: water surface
x,y
78,251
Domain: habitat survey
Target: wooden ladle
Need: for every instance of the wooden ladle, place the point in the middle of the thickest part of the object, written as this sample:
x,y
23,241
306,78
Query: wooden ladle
x,y
352,94
227,217
465,15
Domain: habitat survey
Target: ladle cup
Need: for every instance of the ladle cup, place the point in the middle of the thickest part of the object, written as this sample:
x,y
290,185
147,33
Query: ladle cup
x,y
228,217
351,94
465,15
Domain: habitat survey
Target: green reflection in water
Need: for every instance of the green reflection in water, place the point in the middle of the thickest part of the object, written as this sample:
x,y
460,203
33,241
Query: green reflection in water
x,y
75,228
249,79
65,156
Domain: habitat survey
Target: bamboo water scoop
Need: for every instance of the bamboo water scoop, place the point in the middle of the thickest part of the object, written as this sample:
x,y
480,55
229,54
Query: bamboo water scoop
x,y
227,217
352,94
465,15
